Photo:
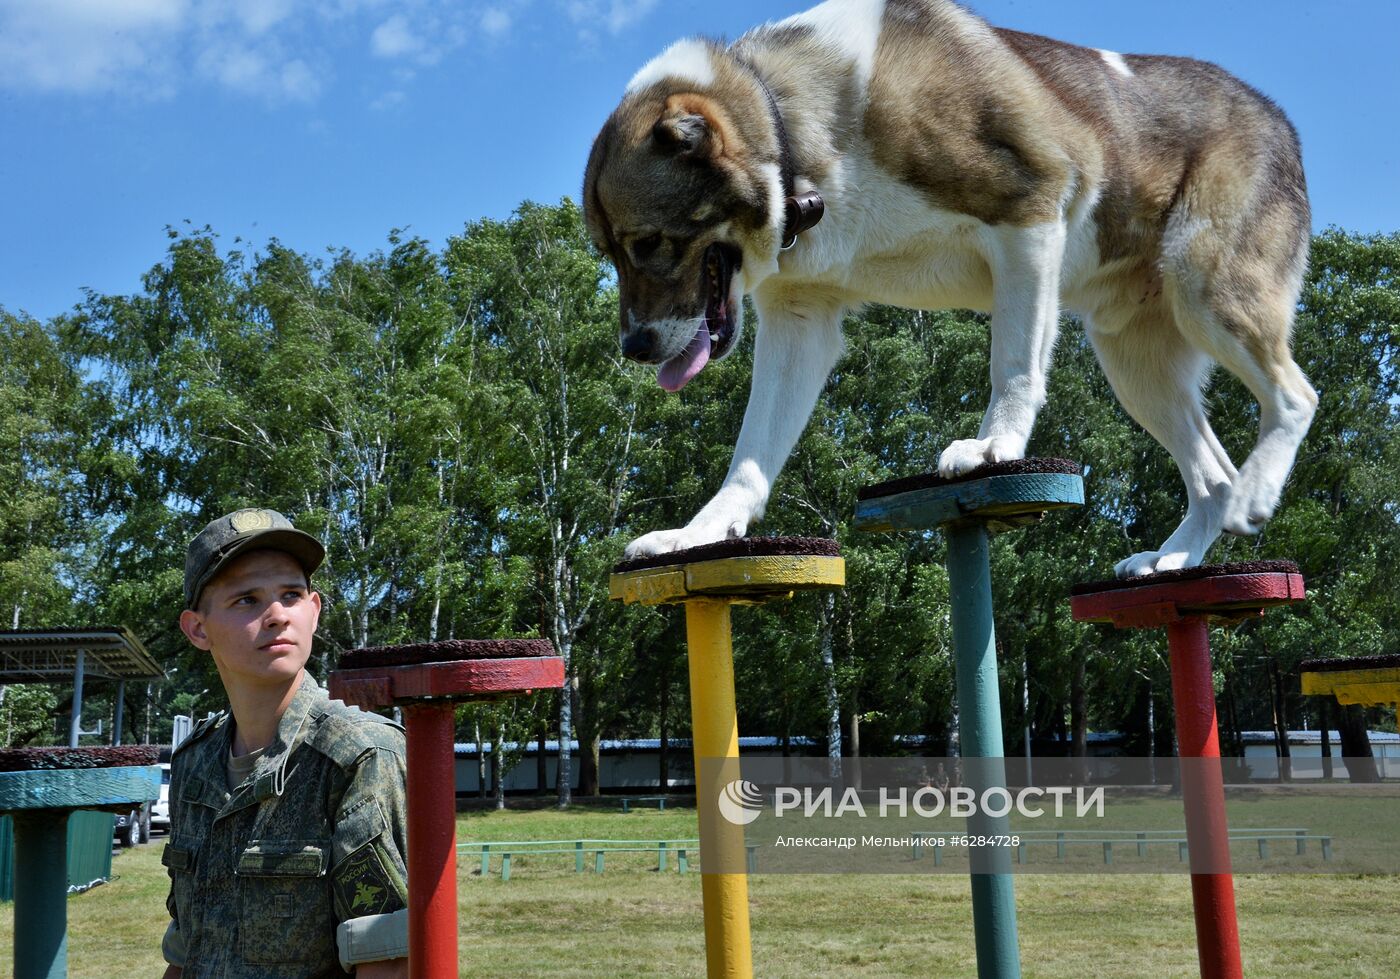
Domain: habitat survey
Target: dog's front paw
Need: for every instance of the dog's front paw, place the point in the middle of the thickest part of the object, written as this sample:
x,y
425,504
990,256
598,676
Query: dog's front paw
x,y
965,455
1151,562
666,541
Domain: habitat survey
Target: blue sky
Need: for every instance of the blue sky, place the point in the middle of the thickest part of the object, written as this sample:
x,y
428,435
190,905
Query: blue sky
x,y
327,123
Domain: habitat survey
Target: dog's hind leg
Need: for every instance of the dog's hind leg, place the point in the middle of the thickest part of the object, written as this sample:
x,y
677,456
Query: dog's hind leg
x,y
1236,301
1157,376
797,344
1025,319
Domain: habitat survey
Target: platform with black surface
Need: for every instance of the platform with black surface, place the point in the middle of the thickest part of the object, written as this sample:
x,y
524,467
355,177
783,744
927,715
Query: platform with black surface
x,y
426,681
1186,602
967,509
709,580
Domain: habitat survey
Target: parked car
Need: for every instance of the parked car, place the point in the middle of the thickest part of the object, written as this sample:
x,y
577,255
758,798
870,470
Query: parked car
x,y
127,830
160,809
130,830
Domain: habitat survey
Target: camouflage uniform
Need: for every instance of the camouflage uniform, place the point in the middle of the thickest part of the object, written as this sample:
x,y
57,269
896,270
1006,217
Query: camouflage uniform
x,y
262,878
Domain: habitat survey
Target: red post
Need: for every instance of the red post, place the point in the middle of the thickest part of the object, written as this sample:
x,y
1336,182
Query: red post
x,y
1203,793
432,841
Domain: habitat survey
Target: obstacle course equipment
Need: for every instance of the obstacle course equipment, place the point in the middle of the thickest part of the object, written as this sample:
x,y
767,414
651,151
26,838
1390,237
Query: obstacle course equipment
x,y
968,509
1371,681
40,788
426,680
708,580
1185,602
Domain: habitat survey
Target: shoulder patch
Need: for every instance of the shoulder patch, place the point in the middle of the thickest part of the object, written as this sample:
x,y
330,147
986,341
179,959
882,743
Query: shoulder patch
x,y
344,733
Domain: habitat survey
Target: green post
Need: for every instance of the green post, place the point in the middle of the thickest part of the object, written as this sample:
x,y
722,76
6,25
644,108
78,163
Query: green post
x,y
967,510
979,727
41,894
578,856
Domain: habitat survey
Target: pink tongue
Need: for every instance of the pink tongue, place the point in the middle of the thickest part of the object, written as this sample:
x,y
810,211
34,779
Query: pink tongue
x,y
677,372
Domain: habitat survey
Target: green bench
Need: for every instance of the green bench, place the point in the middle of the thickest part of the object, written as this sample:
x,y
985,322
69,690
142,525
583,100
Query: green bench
x,y
1139,839
583,850
627,801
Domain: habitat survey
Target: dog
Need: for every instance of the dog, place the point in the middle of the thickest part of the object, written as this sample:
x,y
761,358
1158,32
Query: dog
x,y
907,152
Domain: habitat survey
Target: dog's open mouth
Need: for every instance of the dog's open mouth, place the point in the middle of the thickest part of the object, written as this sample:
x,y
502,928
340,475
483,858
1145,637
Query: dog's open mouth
x,y
715,334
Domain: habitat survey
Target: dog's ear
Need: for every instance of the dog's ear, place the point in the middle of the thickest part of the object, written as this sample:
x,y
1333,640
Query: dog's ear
x,y
691,127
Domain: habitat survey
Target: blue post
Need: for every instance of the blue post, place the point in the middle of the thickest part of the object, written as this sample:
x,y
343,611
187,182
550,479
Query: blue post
x,y
979,727
41,894
968,510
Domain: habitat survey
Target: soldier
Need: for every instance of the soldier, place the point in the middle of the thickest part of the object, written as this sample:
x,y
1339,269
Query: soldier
x,y
287,811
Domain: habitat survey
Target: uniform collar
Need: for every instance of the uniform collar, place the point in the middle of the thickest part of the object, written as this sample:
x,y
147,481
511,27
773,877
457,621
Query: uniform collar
x,y
274,767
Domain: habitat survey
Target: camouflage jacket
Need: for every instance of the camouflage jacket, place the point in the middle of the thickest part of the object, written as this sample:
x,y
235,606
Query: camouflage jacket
x,y
261,878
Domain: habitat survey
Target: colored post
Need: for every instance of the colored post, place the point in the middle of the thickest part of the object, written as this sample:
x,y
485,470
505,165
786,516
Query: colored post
x,y
979,729
1184,602
41,894
715,725
1203,796
40,800
432,839
426,680
707,581
968,510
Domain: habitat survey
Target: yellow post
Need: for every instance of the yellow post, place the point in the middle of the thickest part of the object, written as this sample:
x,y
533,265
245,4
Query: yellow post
x,y
708,588
715,726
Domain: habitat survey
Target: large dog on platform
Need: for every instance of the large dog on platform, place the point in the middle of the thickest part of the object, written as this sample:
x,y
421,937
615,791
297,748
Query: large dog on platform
x,y
906,152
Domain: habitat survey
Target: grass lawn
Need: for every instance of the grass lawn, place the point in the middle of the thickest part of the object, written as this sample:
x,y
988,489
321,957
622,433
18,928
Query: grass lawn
x,y
632,921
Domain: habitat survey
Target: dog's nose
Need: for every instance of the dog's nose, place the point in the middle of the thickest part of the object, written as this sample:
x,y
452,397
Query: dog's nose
x,y
638,344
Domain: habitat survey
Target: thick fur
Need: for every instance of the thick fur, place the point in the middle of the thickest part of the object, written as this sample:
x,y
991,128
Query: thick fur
x,y
1159,198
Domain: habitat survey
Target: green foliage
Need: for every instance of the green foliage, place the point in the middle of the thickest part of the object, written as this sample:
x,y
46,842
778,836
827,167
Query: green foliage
x,y
459,429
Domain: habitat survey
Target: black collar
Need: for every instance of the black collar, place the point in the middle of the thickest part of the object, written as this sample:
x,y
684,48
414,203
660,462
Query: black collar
x,y
800,211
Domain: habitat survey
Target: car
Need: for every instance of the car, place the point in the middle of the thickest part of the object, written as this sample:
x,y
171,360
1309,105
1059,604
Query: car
x,y
160,809
127,829
130,830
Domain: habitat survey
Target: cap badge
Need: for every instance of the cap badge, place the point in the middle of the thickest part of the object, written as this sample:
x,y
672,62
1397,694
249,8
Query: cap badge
x,y
245,520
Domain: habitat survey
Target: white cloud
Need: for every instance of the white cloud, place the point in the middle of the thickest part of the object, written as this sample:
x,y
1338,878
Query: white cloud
x,y
622,14
87,45
614,16
394,39
495,21
276,50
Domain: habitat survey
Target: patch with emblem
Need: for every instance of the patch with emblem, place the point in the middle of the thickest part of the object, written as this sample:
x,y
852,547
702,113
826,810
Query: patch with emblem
x,y
246,520
363,886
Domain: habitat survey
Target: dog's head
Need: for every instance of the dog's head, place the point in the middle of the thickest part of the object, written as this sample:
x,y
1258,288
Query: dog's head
x,y
683,195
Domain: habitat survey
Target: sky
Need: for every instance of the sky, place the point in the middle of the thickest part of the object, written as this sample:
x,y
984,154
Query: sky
x,y
327,124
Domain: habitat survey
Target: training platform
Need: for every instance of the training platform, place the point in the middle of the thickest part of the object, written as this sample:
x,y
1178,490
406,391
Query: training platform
x,y
1001,495
745,569
1371,681
456,669
1220,592
39,788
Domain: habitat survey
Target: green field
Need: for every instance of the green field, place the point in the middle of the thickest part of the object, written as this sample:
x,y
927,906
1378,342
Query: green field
x,y
632,921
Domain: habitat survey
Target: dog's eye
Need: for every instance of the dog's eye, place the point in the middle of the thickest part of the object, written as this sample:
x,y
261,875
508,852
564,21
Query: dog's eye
x,y
644,248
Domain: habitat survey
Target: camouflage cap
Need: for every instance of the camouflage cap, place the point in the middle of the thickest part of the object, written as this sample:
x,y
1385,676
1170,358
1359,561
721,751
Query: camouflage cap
x,y
241,531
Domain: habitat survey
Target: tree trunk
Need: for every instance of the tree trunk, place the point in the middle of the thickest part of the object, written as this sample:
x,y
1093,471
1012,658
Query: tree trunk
x,y
498,769
1356,744
481,784
855,741
1079,711
1285,758
833,697
541,762
566,727
1079,722
588,738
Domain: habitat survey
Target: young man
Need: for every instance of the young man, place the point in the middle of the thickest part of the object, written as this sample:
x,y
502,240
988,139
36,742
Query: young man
x,y
287,812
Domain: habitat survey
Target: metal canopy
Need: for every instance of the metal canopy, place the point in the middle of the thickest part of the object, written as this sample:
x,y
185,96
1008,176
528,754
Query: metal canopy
x,y
52,655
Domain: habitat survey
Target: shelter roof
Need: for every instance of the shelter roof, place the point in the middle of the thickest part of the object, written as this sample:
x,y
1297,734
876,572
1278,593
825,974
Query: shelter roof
x,y
51,655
